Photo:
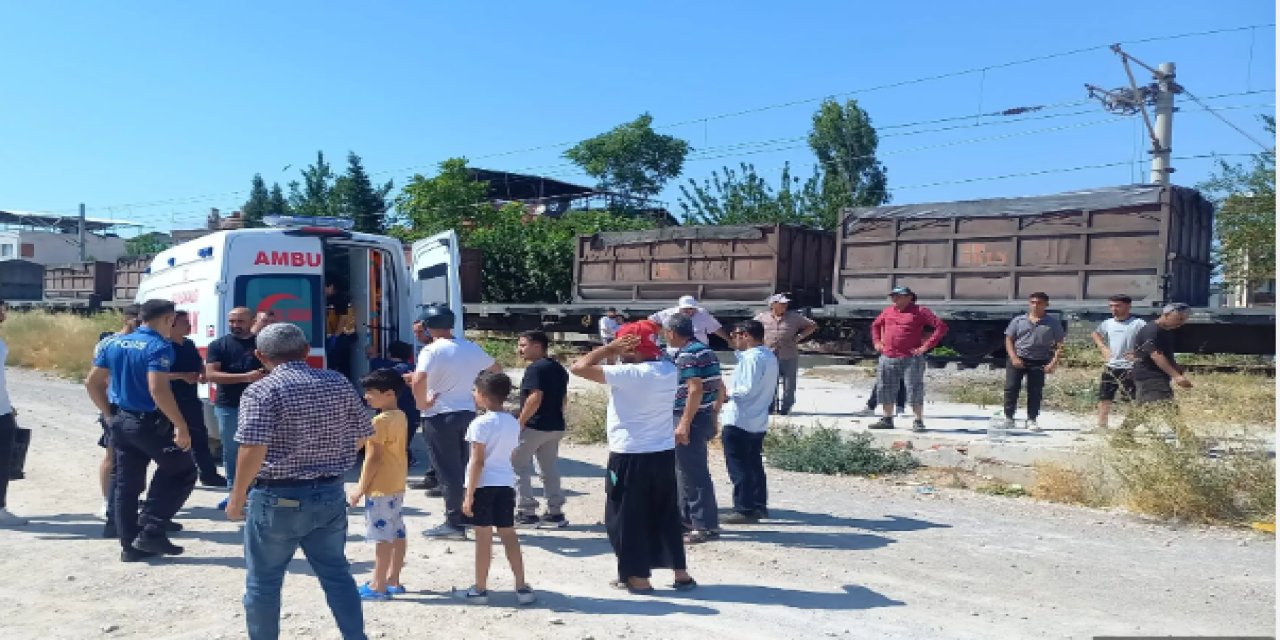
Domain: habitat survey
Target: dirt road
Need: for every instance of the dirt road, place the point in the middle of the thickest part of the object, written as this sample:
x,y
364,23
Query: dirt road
x,y
845,558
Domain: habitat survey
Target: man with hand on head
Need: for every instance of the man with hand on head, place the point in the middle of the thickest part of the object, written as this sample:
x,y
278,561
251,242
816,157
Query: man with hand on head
x,y
641,514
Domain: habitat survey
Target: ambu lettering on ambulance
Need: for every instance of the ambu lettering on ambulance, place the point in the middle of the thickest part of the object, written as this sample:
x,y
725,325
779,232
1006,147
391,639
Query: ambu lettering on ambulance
x,y
288,259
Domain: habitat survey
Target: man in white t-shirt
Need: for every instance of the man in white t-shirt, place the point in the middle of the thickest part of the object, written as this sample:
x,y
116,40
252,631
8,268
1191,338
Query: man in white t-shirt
x,y
442,384
8,435
704,324
1115,338
642,513
610,322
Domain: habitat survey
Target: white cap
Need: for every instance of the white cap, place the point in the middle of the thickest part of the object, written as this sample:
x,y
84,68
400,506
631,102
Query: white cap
x,y
779,298
687,302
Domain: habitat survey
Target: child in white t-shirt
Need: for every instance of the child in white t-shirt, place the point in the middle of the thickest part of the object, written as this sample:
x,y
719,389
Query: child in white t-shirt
x,y
491,496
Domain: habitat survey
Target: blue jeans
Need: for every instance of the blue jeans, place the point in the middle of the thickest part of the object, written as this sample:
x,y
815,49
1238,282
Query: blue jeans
x,y
278,521
228,417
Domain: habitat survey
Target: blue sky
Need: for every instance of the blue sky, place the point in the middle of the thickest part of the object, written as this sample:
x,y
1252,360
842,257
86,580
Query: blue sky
x,y
156,111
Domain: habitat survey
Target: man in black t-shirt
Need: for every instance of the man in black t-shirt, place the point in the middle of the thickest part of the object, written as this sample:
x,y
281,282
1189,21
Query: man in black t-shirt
x,y
231,365
543,392
1154,366
185,377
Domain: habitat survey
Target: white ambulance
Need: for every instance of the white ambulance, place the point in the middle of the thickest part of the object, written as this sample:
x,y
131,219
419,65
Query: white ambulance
x,y
287,268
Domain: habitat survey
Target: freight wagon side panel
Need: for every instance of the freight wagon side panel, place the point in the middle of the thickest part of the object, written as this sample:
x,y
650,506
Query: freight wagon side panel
x,y
1149,242
21,280
745,263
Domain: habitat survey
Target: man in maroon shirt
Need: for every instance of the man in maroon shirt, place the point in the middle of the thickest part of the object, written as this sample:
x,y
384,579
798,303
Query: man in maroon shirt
x,y
898,335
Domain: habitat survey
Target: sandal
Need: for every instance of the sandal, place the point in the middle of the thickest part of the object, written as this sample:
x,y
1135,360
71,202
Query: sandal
x,y
688,585
635,591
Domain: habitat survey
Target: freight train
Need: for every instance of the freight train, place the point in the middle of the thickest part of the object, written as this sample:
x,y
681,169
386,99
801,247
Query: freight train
x,y
973,262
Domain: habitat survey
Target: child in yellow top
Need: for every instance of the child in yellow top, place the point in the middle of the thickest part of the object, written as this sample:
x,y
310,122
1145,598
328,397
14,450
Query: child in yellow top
x,y
382,484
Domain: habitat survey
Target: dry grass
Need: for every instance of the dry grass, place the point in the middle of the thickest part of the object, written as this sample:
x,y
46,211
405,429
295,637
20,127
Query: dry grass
x,y
1067,485
56,342
585,418
1219,401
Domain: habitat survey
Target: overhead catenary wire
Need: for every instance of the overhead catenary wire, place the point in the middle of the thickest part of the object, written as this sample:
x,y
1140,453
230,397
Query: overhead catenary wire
x,y
1229,123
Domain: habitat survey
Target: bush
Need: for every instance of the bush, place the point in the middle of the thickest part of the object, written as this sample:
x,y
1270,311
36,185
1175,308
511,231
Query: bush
x,y
1168,470
830,451
585,417
61,343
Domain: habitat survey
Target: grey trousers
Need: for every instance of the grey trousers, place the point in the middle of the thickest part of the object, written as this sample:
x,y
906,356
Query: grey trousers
x,y
545,446
693,477
788,370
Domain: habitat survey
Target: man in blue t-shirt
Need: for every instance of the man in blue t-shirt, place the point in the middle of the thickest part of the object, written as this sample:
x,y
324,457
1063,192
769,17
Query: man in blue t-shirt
x,y
697,407
106,470
146,426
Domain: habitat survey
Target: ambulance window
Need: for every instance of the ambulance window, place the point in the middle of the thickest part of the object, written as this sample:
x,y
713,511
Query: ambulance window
x,y
433,282
293,298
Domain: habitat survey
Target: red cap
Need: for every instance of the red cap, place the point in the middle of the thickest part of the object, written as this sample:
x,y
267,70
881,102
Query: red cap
x,y
647,332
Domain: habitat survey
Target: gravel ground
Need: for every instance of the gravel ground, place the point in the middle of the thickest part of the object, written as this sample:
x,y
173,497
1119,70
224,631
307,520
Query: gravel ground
x,y
844,557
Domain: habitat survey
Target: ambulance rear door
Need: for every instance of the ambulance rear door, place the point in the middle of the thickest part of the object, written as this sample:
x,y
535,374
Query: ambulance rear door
x,y
434,272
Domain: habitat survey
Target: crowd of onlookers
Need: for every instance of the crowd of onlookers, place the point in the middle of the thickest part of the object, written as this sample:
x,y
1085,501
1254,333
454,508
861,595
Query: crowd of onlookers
x,y
290,431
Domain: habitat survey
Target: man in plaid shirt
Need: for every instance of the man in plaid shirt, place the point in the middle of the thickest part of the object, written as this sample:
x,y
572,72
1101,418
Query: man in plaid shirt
x,y
299,431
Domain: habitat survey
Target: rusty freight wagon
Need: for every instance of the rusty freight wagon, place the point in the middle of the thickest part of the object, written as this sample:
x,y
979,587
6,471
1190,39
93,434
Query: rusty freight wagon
x,y
1150,242
975,262
728,264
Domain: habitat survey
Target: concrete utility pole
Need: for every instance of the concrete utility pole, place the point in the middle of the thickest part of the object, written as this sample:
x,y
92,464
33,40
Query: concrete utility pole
x,y
1160,155
1134,99
82,247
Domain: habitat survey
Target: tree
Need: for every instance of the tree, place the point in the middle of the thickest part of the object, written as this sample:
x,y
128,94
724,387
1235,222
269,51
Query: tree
x,y
526,258
631,158
742,197
845,144
313,197
276,204
147,244
1245,224
354,197
258,205
432,205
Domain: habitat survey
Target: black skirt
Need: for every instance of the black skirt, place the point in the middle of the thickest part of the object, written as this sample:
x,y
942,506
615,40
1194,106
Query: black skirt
x,y
642,513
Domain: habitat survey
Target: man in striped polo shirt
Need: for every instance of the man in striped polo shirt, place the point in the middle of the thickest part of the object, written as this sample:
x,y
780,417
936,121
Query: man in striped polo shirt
x,y
698,401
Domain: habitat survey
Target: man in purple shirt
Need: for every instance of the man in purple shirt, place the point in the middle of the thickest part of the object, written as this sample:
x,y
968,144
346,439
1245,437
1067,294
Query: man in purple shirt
x,y
299,431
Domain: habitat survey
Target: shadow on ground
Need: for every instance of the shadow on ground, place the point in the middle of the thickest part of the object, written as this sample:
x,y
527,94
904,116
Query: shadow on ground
x,y
853,598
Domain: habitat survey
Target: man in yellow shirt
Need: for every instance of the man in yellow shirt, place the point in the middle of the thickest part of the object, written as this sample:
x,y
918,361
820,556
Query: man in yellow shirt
x,y
382,484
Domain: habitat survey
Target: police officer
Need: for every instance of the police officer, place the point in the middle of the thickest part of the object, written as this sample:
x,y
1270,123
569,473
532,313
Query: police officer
x,y
146,426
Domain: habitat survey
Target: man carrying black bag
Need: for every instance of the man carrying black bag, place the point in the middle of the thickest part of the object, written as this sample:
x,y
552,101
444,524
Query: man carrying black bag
x,y
8,436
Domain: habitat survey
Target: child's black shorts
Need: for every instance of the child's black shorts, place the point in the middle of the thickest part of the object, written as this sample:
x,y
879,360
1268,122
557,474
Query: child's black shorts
x,y
493,507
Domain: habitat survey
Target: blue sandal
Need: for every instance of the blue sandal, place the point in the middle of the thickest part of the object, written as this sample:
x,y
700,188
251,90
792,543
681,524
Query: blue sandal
x,y
367,593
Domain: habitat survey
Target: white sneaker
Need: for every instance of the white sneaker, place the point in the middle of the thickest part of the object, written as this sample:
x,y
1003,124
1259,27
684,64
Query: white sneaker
x,y
1033,426
9,520
525,596
102,513
471,596
1008,423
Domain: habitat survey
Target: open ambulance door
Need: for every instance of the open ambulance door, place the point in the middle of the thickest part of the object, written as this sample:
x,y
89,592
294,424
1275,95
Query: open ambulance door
x,y
434,271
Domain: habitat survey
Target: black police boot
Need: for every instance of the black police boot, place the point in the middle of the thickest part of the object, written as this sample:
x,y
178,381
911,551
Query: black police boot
x,y
157,543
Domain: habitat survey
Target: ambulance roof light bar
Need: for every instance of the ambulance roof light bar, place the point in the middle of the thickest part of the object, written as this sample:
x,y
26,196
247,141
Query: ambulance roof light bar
x,y
311,225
